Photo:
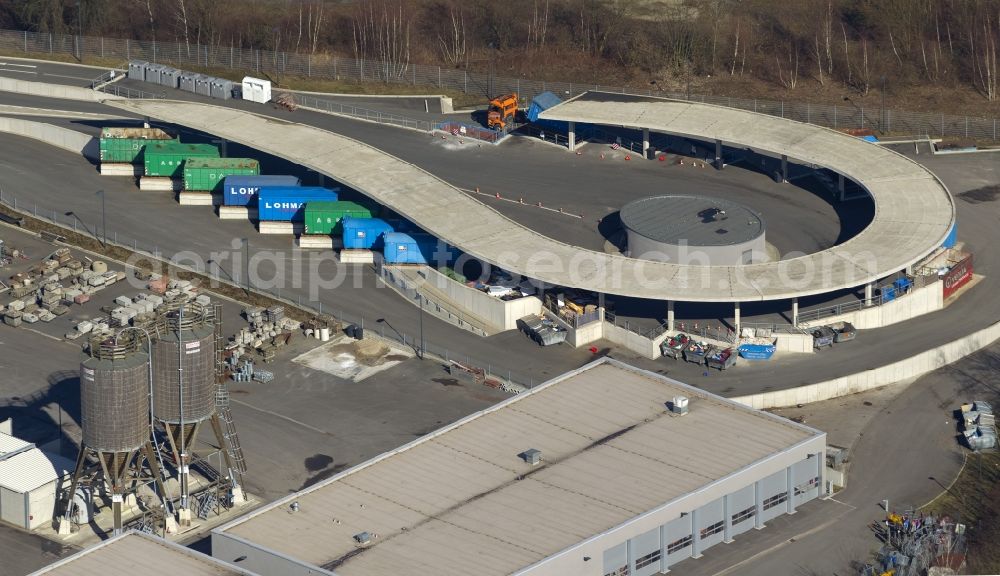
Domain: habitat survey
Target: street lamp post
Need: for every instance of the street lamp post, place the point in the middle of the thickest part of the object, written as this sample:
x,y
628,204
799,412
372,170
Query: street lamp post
x,y
882,118
79,30
104,222
246,263
421,326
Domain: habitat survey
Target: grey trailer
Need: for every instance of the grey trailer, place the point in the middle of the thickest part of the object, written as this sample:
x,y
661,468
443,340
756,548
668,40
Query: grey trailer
x,y
221,88
186,81
137,70
169,77
203,85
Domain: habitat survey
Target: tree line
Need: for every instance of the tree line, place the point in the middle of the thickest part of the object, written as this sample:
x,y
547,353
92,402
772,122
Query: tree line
x,y
853,43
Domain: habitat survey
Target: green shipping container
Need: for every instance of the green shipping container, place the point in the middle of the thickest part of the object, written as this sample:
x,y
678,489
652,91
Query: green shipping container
x,y
167,158
125,145
207,174
325,217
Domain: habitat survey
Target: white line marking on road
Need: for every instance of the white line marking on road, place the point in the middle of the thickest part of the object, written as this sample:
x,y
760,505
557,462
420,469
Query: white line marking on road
x,y
20,71
65,76
18,65
282,416
46,335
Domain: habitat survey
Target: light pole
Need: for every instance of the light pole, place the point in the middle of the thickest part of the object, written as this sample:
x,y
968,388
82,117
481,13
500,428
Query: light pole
x,y
246,264
881,120
104,221
79,30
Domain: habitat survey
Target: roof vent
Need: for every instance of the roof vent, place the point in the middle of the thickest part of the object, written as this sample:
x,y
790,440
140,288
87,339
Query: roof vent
x,y
679,405
363,538
531,456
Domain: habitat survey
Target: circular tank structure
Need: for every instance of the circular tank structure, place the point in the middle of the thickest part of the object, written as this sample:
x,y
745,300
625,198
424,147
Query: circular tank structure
x,y
693,230
114,396
186,339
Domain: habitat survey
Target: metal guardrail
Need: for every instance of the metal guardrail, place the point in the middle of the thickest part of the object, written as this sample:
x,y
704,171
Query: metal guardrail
x,y
126,92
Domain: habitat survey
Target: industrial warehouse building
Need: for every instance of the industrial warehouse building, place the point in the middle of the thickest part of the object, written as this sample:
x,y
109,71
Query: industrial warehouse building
x,y
134,553
597,472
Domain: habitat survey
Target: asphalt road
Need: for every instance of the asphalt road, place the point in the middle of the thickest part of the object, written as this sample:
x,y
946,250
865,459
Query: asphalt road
x,y
49,72
907,454
175,228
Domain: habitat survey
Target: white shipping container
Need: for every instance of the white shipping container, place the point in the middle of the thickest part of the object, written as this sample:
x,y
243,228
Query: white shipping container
x,y
123,301
256,90
84,327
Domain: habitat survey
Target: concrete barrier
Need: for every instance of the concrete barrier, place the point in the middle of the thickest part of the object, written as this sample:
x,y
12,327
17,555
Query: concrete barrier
x,y
910,368
69,140
54,90
917,302
502,314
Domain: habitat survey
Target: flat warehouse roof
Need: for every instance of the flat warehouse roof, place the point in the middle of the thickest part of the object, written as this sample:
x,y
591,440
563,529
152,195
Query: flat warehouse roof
x,y
913,211
461,501
135,553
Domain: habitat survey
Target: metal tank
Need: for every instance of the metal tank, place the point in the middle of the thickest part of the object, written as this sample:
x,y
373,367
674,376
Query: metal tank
x,y
114,395
185,337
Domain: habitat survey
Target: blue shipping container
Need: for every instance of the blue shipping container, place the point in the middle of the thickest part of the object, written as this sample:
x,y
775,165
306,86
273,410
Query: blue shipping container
x,y
242,190
541,103
287,203
949,242
402,248
363,233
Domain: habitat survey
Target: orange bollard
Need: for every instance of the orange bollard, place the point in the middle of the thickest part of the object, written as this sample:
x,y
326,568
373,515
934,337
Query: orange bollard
x,y
628,157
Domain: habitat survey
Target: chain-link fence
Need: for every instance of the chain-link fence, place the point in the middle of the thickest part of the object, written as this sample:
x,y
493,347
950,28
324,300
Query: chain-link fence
x,y
325,66
492,370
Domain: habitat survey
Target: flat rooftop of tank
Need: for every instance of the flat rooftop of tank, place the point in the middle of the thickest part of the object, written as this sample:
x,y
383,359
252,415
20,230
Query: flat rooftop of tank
x,y
695,220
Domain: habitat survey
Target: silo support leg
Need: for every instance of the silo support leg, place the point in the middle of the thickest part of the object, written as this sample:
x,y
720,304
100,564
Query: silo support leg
x,y
670,315
718,155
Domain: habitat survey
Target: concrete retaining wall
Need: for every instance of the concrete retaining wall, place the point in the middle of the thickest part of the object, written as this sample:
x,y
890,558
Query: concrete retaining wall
x,y
502,314
69,140
912,367
54,90
634,342
917,302
800,343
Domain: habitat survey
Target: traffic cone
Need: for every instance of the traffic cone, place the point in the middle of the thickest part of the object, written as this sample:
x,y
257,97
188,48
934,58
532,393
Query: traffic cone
x,y
628,157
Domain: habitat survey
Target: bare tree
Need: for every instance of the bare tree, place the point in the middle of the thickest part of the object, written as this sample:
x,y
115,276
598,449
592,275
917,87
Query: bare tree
x,y
453,44
984,57
181,15
382,32
538,28
789,78
314,25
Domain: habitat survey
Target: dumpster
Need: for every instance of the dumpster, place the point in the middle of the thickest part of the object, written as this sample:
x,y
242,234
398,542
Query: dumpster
x,y
843,331
902,286
542,330
721,358
673,347
888,293
695,352
756,351
823,337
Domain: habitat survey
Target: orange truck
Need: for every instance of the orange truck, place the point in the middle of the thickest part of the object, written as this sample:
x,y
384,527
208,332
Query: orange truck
x,y
502,110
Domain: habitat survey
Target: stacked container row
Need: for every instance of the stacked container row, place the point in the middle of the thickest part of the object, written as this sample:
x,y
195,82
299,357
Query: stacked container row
x,y
287,204
400,248
208,174
364,233
167,158
125,145
242,190
326,217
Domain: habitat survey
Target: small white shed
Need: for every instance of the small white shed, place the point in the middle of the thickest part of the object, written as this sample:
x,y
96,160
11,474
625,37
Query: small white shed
x,y
256,90
29,482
